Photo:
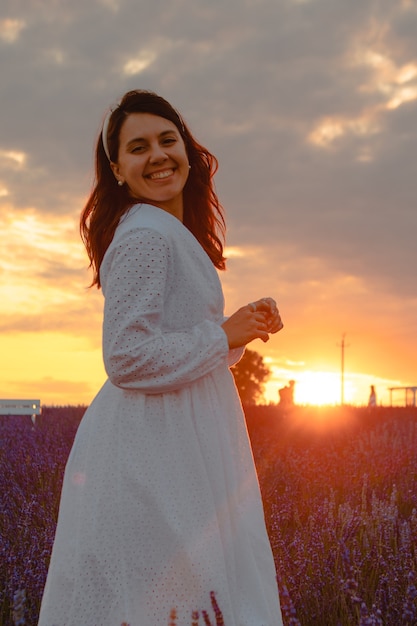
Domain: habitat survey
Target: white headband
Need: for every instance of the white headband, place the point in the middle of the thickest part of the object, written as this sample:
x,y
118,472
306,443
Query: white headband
x,y
105,130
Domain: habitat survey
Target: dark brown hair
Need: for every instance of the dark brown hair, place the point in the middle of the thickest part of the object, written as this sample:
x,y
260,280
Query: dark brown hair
x,y
203,214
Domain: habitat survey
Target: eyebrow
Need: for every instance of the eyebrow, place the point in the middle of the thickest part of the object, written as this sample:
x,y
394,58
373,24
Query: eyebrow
x,y
161,135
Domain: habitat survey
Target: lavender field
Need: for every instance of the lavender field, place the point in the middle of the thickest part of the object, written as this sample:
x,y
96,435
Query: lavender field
x,y
340,493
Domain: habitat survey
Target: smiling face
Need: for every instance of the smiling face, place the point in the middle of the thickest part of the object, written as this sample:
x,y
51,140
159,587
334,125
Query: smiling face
x,y
152,161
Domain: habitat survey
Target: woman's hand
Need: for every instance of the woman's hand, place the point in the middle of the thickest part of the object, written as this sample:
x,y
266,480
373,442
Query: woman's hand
x,y
269,306
253,321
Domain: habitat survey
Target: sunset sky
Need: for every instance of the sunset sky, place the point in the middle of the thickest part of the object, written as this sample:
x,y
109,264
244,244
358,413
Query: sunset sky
x,y
310,107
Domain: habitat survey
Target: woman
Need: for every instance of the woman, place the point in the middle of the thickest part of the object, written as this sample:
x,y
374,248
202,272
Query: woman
x,y
160,508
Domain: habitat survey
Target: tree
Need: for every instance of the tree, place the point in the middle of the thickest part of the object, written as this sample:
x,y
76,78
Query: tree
x,y
250,373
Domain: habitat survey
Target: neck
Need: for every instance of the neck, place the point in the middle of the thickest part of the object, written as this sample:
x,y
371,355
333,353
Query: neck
x,y
175,208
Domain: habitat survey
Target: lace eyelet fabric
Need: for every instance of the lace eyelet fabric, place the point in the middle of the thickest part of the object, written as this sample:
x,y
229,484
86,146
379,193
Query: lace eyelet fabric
x,y
160,510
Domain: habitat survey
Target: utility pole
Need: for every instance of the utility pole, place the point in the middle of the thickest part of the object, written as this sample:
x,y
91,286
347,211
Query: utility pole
x,y
342,377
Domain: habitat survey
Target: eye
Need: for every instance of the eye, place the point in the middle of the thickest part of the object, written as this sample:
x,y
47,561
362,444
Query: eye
x,y
138,149
168,141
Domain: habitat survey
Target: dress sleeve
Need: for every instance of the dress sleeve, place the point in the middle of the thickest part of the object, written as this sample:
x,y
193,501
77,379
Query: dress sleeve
x,y
138,353
235,354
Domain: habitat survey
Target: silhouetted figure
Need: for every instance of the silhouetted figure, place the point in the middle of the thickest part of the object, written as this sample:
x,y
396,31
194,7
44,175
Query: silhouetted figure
x,y
286,395
372,397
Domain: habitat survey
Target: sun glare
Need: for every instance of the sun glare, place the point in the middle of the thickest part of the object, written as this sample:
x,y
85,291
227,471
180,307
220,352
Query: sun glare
x,y
319,388
316,388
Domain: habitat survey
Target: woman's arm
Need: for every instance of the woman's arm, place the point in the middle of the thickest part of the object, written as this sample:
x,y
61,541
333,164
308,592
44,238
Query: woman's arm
x,y
137,353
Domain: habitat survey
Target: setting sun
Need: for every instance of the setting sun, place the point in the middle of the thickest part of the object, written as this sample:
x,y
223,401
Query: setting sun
x,y
320,388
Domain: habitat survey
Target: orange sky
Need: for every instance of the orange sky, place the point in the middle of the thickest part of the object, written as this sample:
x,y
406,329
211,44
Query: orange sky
x,y
53,348
313,116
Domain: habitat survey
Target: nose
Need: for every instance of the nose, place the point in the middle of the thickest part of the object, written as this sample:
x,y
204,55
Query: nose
x,y
157,153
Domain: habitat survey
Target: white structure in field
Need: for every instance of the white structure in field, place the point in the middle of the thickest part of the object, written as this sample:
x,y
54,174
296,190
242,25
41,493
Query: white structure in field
x,y
409,392
20,407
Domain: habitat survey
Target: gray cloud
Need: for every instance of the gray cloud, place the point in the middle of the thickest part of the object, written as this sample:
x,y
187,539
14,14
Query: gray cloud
x,y
254,80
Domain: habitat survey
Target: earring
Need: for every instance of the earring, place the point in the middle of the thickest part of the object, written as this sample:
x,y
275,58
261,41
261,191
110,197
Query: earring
x,y
189,167
120,183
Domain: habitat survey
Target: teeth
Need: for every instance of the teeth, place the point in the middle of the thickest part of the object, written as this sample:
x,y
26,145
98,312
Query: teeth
x,y
161,174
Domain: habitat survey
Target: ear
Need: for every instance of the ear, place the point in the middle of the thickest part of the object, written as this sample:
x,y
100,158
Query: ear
x,y
115,169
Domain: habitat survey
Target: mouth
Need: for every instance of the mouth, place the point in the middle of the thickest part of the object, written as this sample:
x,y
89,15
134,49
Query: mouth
x,y
160,175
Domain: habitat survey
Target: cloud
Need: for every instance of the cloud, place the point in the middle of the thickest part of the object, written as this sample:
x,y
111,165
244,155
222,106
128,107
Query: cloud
x,y
43,278
49,384
48,387
12,158
10,29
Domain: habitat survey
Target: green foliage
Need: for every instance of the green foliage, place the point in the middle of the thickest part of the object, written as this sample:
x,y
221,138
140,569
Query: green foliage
x,y
250,374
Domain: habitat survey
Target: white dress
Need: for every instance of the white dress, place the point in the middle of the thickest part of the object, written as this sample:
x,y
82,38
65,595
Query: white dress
x,y
160,504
